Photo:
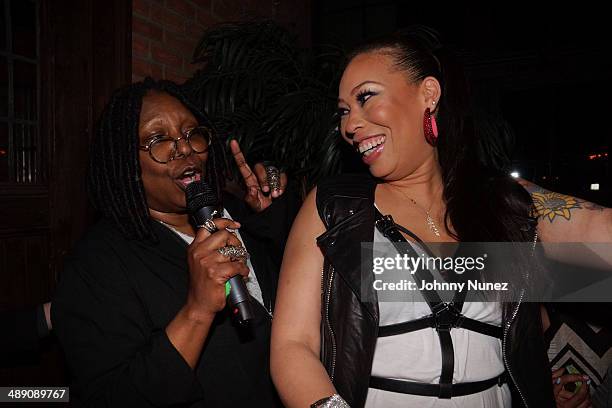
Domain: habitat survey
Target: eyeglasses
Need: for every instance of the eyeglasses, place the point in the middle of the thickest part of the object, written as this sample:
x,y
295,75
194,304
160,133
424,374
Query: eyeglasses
x,y
163,149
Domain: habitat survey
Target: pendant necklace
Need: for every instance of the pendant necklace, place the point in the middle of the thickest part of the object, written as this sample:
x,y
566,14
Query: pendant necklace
x,y
428,218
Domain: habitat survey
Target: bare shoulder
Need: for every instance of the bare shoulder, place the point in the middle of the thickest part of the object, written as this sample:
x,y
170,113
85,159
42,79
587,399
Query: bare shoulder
x,y
301,252
308,223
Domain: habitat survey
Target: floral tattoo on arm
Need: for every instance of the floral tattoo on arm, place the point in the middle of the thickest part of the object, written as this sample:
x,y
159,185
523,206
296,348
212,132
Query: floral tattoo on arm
x,y
550,205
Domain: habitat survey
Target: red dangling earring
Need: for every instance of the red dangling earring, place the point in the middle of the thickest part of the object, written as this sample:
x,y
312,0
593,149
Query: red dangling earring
x,y
430,128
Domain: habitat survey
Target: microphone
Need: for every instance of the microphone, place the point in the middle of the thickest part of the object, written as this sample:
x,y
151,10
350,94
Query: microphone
x,y
204,204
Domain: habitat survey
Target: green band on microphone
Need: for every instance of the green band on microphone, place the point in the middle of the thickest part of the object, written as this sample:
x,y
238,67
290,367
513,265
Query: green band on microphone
x,y
228,288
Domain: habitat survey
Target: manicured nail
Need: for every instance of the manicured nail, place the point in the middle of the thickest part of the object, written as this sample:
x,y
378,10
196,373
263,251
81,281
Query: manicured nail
x,y
588,382
558,381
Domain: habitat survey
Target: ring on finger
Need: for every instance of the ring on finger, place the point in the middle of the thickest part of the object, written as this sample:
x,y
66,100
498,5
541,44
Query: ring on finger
x,y
273,177
209,225
234,253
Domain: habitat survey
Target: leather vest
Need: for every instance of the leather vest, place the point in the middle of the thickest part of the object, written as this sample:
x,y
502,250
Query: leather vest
x,y
349,321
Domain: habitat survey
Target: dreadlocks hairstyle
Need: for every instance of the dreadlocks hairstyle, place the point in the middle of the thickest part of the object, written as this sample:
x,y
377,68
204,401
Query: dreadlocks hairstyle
x,y
114,180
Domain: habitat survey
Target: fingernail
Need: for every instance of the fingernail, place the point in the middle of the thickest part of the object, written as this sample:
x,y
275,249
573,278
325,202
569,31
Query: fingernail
x,y
558,381
588,382
266,188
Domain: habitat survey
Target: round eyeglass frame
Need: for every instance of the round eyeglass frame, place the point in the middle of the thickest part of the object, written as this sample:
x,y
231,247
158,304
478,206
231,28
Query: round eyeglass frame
x,y
187,136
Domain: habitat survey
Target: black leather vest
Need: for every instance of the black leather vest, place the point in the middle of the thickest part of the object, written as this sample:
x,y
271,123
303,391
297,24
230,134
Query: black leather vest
x,y
349,321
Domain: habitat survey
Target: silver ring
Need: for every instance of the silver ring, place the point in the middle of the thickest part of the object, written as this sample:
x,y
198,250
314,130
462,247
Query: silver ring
x,y
234,253
273,177
209,225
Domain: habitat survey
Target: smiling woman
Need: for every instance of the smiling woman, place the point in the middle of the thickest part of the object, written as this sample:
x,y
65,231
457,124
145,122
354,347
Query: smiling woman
x,y
375,113
404,108
140,307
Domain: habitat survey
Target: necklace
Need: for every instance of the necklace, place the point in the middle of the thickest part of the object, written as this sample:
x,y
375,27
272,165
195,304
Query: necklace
x,y
430,221
428,218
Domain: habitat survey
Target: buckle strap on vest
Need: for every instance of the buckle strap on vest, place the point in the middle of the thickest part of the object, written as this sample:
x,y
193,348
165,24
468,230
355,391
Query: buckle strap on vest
x,y
436,390
430,321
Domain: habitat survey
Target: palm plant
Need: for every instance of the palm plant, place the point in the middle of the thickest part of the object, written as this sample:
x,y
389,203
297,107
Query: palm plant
x,y
278,101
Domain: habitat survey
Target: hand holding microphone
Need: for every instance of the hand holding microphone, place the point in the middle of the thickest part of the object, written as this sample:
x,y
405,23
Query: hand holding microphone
x,y
205,213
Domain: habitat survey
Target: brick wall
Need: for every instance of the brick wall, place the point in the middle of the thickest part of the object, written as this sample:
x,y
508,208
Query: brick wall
x,y
165,32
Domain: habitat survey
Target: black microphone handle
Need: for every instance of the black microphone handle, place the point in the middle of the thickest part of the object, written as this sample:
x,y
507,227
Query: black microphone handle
x,y
238,298
207,212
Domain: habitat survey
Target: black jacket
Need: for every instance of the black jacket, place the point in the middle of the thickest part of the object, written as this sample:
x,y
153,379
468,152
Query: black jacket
x,y
349,326
116,297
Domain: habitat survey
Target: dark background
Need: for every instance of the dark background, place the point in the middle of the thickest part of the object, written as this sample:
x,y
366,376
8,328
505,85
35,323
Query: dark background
x,y
545,68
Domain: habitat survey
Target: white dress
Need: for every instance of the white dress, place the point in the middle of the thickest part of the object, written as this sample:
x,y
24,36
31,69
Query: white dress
x,y
416,356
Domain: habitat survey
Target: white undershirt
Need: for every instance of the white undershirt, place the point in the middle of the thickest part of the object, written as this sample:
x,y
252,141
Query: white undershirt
x,y
416,356
251,283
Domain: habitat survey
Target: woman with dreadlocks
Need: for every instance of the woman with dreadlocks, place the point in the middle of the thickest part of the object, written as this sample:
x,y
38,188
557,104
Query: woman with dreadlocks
x,y
139,309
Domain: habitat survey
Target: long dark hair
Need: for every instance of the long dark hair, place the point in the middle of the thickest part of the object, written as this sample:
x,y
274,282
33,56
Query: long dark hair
x,y
483,203
114,180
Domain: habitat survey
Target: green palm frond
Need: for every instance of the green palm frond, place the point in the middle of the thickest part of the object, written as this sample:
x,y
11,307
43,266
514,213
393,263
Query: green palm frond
x,y
278,101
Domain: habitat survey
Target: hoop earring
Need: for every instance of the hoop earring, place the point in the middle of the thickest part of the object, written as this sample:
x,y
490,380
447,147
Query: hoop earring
x,y
430,128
